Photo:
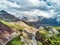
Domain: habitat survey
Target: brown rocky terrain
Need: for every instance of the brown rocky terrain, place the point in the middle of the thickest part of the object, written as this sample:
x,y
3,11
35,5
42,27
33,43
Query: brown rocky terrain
x,y
6,33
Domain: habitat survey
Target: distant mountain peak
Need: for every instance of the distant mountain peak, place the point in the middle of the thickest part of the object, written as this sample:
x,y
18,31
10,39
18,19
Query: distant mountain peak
x,y
7,16
3,12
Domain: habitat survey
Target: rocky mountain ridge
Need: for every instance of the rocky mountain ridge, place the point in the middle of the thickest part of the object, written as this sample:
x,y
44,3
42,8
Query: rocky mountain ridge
x,y
7,17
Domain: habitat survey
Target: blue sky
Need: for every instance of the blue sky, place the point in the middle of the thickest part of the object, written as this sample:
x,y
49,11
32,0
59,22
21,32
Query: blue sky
x,y
46,8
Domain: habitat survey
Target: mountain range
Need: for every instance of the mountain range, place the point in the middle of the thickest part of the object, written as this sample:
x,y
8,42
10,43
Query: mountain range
x,y
43,21
7,17
30,20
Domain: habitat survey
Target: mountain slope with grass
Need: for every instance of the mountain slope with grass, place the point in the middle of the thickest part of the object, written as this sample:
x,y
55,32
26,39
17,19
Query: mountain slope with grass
x,y
43,35
7,33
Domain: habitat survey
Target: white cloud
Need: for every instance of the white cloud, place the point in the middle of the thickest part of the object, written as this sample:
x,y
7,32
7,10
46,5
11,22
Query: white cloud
x,y
13,4
5,3
46,8
34,2
35,13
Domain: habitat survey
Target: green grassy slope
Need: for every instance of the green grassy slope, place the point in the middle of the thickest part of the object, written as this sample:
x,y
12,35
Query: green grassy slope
x,y
57,27
17,27
16,41
55,39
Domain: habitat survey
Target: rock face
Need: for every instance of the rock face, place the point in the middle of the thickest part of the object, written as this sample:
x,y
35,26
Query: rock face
x,y
51,30
7,17
42,39
6,34
29,36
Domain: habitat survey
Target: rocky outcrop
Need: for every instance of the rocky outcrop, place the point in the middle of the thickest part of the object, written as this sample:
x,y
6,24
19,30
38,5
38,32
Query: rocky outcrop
x,y
29,36
7,34
40,38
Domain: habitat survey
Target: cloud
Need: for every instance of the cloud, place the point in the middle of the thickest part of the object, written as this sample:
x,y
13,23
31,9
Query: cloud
x,y
33,13
24,5
13,5
46,8
34,2
4,4
31,4
36,13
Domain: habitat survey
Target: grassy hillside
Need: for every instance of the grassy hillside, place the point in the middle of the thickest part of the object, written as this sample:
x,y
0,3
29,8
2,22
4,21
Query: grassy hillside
x,y
16,41
17,27
55,39
57,27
